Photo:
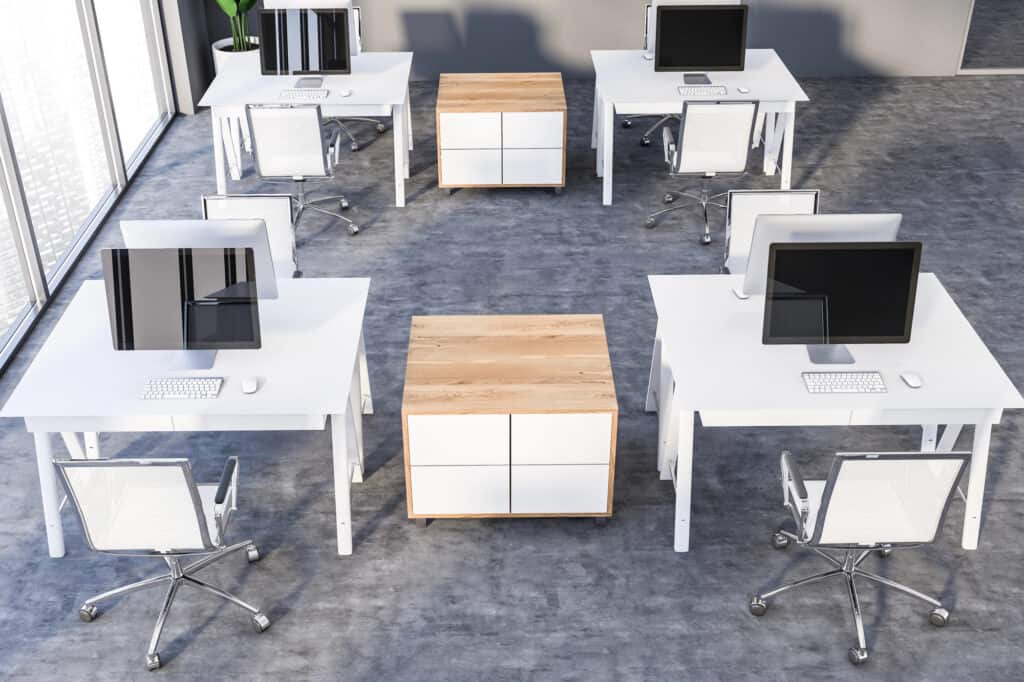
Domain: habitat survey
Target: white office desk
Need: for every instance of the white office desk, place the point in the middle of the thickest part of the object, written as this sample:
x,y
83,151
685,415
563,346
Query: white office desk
x,y
379,83
312,366
626,83
709,359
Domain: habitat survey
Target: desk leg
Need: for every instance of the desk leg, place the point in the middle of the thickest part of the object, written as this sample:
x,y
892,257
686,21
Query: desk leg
x,y
408,124
929,437
233,150
976,485
342,483
684,481
397,112
92,445
651,405
364,379
607,148
51,494
771,150
355,424
668,422
787,151
595,120
218,153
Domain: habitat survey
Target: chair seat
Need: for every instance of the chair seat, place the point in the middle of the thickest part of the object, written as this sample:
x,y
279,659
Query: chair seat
x,y
815,491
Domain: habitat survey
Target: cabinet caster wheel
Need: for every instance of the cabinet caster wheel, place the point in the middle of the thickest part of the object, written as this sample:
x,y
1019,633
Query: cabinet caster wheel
x,y
668,198
260,622
758,607
558,191
449,191
626,123
152,661
600,521
88,613
938,617
252,554
650,222
353,230
857,655
380,129
705,239
344,204
354,147
884,553
645,141
422,523
780,541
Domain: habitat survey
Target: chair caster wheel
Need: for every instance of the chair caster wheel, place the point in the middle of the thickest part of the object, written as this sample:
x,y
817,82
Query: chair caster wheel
x,y
344,204
650,222
884,553
380,128
668,198
758,607
354,147
857,655
626,123
252,554
152,661
353,229
88,613
705,240
780,541
260,622
938,617
645,141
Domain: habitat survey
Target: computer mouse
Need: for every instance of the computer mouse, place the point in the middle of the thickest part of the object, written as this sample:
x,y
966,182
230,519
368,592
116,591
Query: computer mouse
x,y
912,379
344,93
250,385
742,91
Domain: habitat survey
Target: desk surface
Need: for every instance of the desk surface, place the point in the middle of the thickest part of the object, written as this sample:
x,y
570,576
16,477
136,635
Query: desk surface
x,y
624,76
508,363
488,92
713,342
377,78
310,337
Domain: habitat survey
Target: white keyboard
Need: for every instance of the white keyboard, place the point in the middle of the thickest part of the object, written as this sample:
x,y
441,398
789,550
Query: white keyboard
x,y
303,95
182,388
703,90
844,382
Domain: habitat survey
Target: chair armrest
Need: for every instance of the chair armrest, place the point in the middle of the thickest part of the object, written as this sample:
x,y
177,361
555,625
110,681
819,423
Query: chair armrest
x,y
668,141
227,480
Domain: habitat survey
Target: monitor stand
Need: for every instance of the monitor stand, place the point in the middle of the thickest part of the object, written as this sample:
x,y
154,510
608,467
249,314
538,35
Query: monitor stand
x,y
192,360
829,354
696,79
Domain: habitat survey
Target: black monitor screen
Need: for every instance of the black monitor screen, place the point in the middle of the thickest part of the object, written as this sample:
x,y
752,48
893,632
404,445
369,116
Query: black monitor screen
x,y
181,299
830,293
304,41
701,38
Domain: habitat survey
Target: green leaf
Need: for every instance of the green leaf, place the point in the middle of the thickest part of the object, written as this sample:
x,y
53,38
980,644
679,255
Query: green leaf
x,y
245,5
231,7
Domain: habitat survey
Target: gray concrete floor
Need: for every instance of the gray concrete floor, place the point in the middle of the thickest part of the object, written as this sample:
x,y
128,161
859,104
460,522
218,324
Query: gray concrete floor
x,y
562,599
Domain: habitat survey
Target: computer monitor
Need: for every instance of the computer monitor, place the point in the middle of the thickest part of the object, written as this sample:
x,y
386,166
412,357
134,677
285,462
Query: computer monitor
x,y
304,41
825,294
208,234
700,38
822,227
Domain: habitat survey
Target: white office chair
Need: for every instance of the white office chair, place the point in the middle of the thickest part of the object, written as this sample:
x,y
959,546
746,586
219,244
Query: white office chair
x,y
153,507
714,137
742,208
273,209
871,502
288,143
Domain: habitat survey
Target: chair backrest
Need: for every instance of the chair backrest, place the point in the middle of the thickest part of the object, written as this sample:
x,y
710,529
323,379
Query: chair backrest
x,y
274,209
714,137
886,498
743,207
137,506
287,140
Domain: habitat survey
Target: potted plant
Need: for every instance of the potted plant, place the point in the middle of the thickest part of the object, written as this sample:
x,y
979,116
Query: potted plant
x,y
240,47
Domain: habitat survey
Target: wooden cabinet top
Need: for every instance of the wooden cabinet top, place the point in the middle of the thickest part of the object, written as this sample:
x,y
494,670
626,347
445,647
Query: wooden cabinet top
x,y
486,364
476,92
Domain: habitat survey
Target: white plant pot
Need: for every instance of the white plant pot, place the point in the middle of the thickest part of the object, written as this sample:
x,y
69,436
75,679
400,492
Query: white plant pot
x,y
223,55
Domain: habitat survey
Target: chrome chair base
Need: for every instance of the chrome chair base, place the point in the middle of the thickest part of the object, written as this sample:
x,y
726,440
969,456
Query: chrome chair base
x,y
353,143
303,202
180,575
847,567
703,198
645,139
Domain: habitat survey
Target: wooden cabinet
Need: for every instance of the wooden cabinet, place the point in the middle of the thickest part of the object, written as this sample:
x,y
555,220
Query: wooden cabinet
x,y
509,416
501,130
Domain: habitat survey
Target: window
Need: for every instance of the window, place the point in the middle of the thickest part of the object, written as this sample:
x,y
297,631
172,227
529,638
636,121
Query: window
x,y
13,290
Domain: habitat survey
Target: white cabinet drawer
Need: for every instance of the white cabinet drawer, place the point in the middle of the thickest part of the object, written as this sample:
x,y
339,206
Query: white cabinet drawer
x,y
458,439
440,490
581,489
462,167
562,438
532,167
532,130
470,131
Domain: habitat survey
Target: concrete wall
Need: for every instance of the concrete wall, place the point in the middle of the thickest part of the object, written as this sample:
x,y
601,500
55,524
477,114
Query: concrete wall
x,y
188,47
815,37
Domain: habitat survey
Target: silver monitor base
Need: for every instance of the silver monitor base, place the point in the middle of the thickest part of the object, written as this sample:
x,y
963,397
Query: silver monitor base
x,y
191,360
829,354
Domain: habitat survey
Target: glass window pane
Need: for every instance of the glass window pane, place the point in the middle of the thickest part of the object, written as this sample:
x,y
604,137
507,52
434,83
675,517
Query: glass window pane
x,y
13,290
130,70
53,118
